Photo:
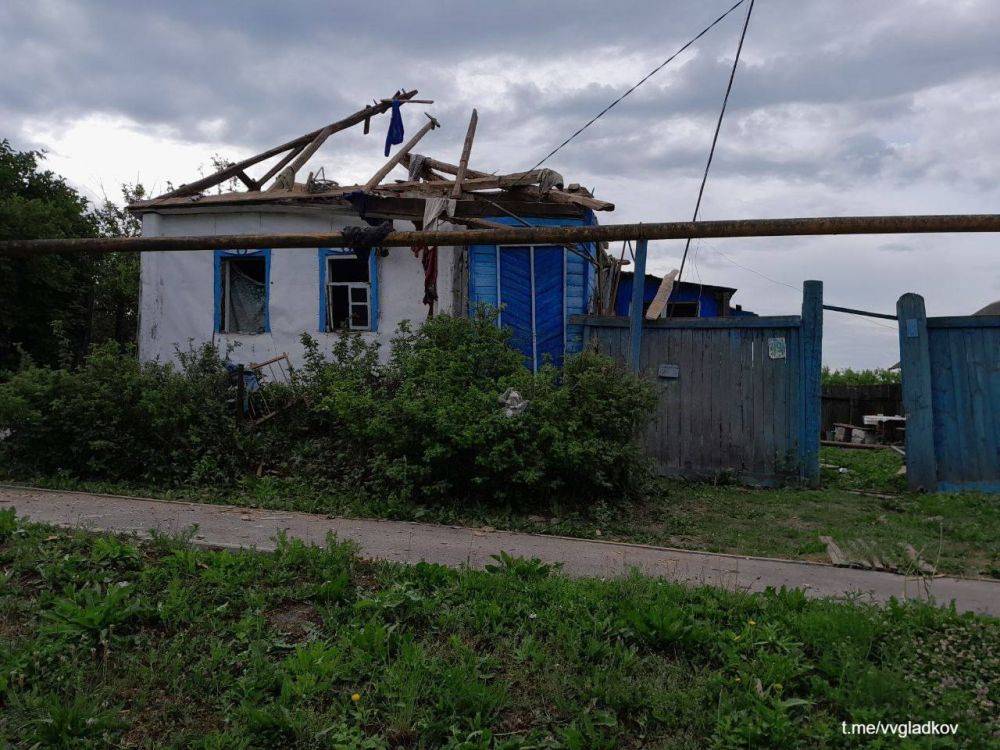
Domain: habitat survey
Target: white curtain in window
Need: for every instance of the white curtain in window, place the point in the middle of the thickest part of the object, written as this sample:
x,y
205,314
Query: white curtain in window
x,y
246,302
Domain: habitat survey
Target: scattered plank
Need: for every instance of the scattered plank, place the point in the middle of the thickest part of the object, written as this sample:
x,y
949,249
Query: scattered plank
x,y
659,302
837,557
922,565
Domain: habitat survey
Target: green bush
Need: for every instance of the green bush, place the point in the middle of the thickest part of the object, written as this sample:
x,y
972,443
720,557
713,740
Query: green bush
x,y
426,425
117,418
429,424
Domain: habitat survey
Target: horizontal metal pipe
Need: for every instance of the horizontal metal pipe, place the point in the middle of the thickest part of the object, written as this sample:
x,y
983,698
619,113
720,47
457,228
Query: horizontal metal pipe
x,y
866,313
818,225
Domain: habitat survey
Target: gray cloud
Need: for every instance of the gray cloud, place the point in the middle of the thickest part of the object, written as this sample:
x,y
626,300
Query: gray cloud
x,y
846,107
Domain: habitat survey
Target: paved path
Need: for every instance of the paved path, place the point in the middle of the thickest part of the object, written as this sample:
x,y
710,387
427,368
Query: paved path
x,y
399,541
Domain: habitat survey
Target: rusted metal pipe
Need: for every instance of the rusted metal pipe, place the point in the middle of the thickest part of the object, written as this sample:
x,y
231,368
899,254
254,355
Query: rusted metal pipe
x,y
818,225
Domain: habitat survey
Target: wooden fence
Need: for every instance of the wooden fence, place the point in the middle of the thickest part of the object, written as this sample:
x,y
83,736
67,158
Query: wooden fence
x,y
848,404
951,396
737,396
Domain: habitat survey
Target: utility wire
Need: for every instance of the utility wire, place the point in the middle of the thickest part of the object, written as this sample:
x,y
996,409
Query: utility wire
x,y
790,286
651,73
715,137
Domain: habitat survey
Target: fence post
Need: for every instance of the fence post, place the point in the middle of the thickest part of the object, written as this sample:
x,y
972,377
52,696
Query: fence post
x,y
635,311
812,386
915,360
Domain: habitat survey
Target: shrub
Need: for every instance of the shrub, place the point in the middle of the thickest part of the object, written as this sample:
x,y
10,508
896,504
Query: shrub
x,y
430,423
426,425
118,418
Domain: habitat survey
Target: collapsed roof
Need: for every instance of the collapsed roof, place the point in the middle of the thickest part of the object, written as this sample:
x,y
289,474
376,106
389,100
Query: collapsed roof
x,y
477,192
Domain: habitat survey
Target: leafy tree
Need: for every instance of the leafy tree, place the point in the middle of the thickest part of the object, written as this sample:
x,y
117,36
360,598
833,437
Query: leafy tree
x,y
878,376
44,299
55,307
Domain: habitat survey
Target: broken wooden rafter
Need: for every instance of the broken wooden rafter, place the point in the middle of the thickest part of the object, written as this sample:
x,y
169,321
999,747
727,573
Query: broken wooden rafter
x,y
443,166
463,162
250,184
303,140
286,178
398,156
493,182
530,189
280,164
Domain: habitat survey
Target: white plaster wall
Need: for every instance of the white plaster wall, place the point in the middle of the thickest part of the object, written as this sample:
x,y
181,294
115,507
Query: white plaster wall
x,y
177,304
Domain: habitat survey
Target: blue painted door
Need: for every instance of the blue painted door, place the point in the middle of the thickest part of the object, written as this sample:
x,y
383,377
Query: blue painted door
x,y
532,283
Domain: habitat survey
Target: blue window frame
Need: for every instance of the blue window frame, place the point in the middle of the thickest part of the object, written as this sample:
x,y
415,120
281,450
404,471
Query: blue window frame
x,y
355,293
222,270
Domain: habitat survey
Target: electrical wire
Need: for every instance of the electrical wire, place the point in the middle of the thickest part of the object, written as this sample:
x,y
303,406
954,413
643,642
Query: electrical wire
x,y
649,75
715,137
792,286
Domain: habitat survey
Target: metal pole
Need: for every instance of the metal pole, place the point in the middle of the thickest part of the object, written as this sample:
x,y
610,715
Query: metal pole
x,y
635,311
820,225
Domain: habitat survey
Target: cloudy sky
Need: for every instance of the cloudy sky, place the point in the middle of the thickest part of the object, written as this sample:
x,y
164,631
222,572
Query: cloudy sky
x,y
839,108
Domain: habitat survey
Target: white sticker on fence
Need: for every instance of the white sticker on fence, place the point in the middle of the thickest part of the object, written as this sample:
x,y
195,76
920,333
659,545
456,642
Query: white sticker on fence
x,y
776,348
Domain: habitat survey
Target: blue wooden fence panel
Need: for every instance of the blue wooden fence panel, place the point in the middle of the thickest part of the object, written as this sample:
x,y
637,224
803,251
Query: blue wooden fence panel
x,y
951,397
737,396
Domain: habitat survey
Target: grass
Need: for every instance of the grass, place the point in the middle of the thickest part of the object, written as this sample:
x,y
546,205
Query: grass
x,y
111,642
957,533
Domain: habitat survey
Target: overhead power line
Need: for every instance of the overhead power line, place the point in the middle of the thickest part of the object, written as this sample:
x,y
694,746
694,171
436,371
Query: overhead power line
x,y
715,136
649,75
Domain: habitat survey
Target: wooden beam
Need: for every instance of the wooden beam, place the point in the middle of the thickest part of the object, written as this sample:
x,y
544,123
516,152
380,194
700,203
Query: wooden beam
x,y
492,182
279,165
659,302
224,174
251,185
809,226
443,166
286,179
576,199
463,162
398,156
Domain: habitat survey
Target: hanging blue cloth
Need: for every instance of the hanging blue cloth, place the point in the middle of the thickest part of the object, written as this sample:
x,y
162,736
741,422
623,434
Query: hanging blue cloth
x,y
395,134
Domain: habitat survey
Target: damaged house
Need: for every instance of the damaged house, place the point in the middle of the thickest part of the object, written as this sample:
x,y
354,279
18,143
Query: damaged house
x,y
262,301
258,303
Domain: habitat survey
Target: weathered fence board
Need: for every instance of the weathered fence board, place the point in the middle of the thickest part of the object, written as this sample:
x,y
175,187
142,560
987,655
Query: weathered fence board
x,y
951,396
737,396
848,404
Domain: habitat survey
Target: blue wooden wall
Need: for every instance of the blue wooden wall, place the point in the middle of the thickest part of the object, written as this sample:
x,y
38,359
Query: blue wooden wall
x,y
737,396
951,397
488,285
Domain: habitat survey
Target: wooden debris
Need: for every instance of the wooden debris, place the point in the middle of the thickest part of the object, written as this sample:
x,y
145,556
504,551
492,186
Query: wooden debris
x,y
287,177
463,162
922,565
398,156
659,302
837,556
231,170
